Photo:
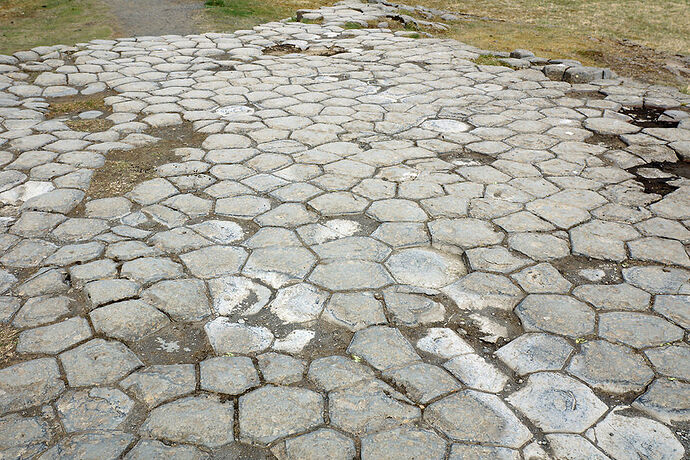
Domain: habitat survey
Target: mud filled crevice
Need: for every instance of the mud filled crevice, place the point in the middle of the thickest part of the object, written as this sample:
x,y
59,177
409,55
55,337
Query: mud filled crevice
x,y
647,117
657,177
611,141
286,48
585,95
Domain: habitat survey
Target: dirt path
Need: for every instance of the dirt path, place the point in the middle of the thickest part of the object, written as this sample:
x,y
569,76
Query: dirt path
x,y
156,17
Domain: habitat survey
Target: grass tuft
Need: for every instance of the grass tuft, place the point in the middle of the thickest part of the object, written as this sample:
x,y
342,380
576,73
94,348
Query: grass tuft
x,y
490,59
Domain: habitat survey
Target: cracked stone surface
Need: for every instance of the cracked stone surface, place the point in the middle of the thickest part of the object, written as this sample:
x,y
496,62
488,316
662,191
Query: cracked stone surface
x,y
386,252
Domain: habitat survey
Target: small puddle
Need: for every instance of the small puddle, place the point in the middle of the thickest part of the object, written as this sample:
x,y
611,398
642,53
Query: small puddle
x,y
655,177
647,117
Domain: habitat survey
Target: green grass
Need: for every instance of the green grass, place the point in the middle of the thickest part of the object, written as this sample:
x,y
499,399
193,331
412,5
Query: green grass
x,y
489,59
353,25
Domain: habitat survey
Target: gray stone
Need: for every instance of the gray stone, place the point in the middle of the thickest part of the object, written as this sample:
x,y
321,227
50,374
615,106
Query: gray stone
x,y
98,362
672,360
41,310
637,330
29,383
54,338
182,300
345,275
465,233
613,296
60,200
90,446
23,437
542,278
155,385
666,400
535,352
130,320
407,442
214,261
382,347
354,311
656,279
476,452
573,446
409,309
228,375
278,265
495,259
281,369
323,443
105,291
202,420
228,337
93,409
422,382
334,372
298,303
272,412
556,314
425,268
147,449
150,269
475,372
674,308
152,191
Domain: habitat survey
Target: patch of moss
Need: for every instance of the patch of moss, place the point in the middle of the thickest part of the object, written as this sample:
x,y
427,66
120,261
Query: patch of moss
x,y
490,59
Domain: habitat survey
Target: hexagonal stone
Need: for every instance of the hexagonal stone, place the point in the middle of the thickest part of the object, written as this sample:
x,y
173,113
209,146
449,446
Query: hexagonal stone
x,y
108,208
228,375
243,206
299,303
410,309
150,269
402,234
674,307
238,295
183,300
203,420
557,314
555,402
23,437
631,438
443,343
475,372
105,291
157,384
91,446
29,383
339,203
130,320
278,265
334,372
322,443
613,296
152,191
404,443
353,247
93,409
54,338
535,352
657,279
572,445
385,408
425,267
98,362
637,330
471,416
228,337
289,215
354,310
271,412
214,261
672,360
610,368
61,200
475,452
281,369
542,278
147,449
495,259
396,210
225,141
478,291
539,246
465,233
422,382
666,400
382,347
344,275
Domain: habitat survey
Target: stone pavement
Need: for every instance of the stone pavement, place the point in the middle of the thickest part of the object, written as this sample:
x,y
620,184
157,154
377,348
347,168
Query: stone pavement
x,y
388,252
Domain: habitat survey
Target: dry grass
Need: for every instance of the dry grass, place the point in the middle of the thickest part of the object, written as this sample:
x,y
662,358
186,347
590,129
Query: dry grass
x,y
75,105
8,343
228,15
90,126
489,59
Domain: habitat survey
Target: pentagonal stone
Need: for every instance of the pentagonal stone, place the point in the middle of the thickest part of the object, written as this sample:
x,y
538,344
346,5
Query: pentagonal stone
x,y
147,449
152,191
93,409
23,437
243,207
672,360
322,443
278,265
631,438
610,368
495,259
637,330
477,291
354,311
535,352
214,261
396,210
228,337
657,280
557,314
236,295
334,372
542,278
475,452
29,383
402,234
569,445
105,291
382,347
556,403
150,269
613,296
666,400
354,247
404,443
228,375
202,419
471,416
129,320
54,338
271,412
475,372
539,246
157,384
108,208
98,362
101,446
410,309
465,233
281,369
343,275
674,307
425,268
422,382
183,300
385,408
41,310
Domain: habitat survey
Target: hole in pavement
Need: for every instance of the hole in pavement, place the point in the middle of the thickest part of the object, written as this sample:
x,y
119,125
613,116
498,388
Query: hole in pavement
x,y
647,117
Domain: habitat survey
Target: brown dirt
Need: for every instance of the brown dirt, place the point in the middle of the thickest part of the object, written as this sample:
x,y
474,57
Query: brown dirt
x,y
71,106
8,343
283,49
91,126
